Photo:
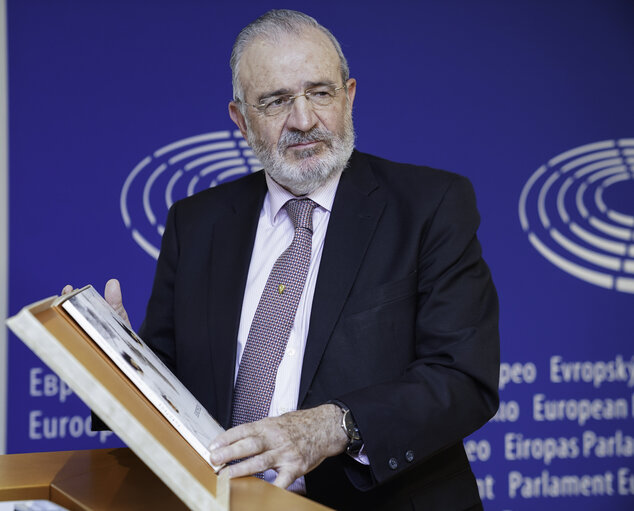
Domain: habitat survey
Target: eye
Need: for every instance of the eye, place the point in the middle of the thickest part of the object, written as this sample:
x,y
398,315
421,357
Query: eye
x,y
320,93
277,101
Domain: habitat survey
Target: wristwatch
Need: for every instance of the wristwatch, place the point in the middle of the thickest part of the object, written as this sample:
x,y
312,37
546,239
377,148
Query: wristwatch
x,y
349,426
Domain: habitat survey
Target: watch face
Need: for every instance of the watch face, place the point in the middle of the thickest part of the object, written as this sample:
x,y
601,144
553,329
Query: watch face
x,y
351,427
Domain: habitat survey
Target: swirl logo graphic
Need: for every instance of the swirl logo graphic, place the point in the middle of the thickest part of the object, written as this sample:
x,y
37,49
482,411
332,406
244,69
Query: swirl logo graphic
x,y
578,212
179,170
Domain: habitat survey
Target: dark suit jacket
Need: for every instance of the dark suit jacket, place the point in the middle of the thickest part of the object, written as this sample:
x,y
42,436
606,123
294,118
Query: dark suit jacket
x,y
403,326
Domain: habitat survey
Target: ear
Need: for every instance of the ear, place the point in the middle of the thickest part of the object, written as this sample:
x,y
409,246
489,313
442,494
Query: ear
x,y
238,118
351,90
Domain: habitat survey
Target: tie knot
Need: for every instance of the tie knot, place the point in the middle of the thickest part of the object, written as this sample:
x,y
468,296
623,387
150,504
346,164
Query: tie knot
x,y
301,213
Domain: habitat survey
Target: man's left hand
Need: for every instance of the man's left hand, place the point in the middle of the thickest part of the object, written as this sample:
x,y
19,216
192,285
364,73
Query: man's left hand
x,y
292,444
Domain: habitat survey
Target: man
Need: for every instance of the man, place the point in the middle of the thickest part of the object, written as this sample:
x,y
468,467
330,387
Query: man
x,y
392,355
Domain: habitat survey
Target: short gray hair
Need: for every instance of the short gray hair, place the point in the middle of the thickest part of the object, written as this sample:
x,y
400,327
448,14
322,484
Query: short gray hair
x,y
273,25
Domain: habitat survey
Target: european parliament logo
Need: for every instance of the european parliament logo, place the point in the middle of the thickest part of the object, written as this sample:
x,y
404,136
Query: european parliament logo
x,y
175,171
578,212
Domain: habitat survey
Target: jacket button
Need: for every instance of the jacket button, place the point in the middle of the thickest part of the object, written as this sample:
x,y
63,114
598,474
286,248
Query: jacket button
x,y
409,456
393,463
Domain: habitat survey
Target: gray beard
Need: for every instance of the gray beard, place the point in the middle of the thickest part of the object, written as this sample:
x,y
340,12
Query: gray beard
x,y
304,177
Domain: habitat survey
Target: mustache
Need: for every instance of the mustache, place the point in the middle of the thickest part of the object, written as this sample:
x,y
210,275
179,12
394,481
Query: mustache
x,y
290,138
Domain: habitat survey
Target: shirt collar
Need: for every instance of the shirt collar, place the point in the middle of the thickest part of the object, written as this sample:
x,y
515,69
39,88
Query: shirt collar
x,y
324,196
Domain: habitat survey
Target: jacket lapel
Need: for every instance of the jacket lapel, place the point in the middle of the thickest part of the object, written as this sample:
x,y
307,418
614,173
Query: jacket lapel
x,y
356,210
232,245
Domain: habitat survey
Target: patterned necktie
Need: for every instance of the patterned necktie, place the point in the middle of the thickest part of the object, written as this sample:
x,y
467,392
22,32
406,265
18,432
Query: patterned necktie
x,y
273,320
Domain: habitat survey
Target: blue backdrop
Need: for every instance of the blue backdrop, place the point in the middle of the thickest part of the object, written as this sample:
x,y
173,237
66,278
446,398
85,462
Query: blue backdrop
x,y
118,108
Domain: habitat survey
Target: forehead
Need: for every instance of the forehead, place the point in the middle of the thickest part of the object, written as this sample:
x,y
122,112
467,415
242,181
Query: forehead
x,y
288,62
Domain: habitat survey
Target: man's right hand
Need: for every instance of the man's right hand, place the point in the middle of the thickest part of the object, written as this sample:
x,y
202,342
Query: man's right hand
x,y
112,294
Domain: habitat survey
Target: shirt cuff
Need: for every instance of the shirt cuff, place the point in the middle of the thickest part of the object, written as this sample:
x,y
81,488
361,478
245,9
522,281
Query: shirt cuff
x,y
361,456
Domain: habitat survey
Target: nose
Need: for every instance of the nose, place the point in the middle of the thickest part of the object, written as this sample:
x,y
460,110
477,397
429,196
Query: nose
x,y
302,116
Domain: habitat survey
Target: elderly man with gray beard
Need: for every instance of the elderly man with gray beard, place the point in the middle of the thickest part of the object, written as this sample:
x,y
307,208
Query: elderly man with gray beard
x,y
334,311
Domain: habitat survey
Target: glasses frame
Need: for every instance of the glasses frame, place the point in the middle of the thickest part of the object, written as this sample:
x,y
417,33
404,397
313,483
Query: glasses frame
x,y
306,94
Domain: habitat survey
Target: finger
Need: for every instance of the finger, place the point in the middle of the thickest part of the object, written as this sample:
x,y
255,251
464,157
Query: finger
x,y
67,289
112,294
250,466
243,448
284,479
233,435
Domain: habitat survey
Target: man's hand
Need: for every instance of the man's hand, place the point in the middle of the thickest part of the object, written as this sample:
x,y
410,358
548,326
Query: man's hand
x,y
292,444
112,294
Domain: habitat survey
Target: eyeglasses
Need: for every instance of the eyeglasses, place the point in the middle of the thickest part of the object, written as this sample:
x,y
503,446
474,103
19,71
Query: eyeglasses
x,y
318,97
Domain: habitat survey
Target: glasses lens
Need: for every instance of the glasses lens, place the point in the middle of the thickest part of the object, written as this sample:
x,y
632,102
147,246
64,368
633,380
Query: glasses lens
x,y
322,96
277,105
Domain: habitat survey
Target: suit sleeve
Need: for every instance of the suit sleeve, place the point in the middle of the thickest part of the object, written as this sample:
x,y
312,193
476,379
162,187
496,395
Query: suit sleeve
x,y
449,389
157,329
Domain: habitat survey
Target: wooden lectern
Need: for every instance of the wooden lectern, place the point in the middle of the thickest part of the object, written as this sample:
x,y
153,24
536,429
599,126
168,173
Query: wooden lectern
x,y
116,479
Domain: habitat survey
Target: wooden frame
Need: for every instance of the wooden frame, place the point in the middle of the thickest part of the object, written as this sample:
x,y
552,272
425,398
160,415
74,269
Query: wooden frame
x,y
67,350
